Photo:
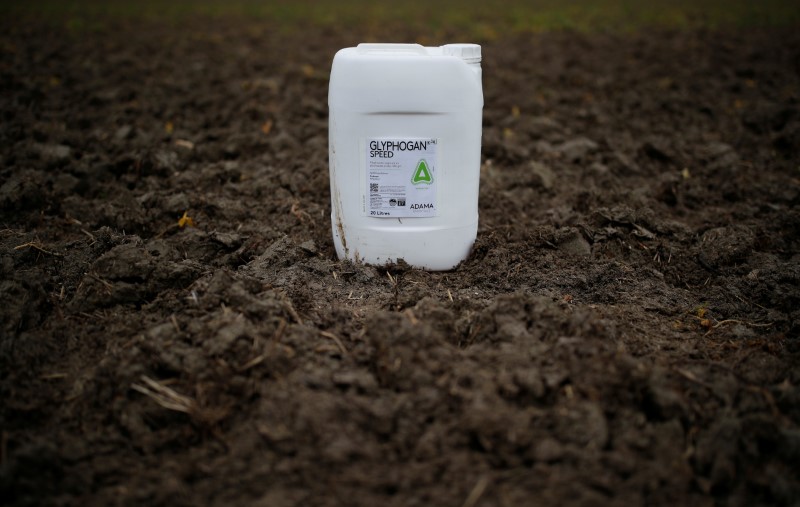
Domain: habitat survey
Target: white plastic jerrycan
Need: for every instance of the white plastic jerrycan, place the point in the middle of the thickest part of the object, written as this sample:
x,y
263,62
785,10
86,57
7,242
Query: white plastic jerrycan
x,y
405,147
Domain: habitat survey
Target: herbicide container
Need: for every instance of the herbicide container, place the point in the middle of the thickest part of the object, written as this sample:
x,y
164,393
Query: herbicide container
x,y
405,146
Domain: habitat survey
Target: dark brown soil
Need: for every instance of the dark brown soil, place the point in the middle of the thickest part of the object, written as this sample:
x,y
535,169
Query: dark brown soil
x,y
625,331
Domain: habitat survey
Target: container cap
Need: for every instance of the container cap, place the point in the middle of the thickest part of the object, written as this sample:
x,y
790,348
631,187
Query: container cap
x,y
470,53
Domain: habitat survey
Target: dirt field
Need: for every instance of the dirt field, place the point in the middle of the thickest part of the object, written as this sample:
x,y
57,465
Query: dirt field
x,y
625,331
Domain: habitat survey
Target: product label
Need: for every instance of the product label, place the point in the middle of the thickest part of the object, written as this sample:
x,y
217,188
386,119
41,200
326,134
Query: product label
x,y
401,177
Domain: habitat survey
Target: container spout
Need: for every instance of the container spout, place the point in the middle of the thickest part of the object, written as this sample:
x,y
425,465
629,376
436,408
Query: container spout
x,y
470,53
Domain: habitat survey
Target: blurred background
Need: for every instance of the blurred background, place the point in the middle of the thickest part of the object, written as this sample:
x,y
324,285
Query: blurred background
x,y
478,20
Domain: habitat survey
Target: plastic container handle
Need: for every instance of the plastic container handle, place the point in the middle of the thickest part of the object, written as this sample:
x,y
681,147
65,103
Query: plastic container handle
x,y
375,47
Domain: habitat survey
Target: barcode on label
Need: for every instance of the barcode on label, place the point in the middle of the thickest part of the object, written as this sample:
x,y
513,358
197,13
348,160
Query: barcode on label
x,y
373,187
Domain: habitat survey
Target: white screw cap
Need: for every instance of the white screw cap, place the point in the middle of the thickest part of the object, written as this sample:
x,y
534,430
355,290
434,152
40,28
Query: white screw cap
x,y
470,53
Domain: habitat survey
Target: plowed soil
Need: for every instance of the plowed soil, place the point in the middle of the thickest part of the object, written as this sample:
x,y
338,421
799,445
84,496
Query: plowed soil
x,y
625,331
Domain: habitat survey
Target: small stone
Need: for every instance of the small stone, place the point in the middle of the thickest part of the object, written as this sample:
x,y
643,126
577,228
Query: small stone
x,y
360,379
177,203
65,183
720,155
623,163
228,239
55,152
541,124
548,451
166,160
576,149
573,243
231,150
309,247
742,332
545,175
123,133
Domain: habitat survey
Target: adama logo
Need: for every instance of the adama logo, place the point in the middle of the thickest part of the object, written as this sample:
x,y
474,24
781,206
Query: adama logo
x,y
422,174
422,206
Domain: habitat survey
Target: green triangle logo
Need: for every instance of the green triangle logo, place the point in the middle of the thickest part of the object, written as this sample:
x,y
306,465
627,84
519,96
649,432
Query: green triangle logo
x,y
422,174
